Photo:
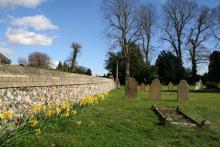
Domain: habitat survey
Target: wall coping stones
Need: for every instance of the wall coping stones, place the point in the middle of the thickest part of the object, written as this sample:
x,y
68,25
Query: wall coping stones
x,y
12,76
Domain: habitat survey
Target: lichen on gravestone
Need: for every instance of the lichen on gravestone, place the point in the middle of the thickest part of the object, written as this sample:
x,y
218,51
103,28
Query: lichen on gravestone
x,y
142,87
183,91
155,89
131,88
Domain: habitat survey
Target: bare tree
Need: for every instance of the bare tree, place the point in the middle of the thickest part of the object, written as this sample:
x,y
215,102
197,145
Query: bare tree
x,y
177,14
216,23
22,61
199,33
76,49
38,59
147,20
122,29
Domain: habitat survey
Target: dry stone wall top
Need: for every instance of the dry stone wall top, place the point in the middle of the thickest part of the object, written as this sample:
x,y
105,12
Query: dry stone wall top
x,y
17,76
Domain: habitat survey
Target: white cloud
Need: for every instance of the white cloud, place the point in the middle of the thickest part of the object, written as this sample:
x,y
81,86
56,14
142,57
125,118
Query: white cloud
x,y
54,63
24,37
24,3
6,51
37,22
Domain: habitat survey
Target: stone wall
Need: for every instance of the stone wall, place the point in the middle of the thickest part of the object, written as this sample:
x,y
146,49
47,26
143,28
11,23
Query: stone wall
x,y
27,86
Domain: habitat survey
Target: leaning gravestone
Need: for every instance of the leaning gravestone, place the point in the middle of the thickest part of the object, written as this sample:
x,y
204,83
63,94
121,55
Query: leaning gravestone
x,y
142,87
183,91
131,88
155,89
170,86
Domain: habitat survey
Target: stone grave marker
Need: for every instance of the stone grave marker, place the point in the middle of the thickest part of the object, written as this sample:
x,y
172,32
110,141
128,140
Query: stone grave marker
x,y
198,85
183,91
155,89
131,88
170,86
142,87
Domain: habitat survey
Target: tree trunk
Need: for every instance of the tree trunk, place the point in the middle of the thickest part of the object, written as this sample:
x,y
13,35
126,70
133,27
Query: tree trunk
x,y
147,52
194,70
127,75
74,63
116,76
127,68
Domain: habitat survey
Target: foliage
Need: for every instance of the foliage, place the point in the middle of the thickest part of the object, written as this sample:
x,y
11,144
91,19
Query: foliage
x,y
89,72
138,68
214,67
212,85
169,67
4,59
79,69
59,66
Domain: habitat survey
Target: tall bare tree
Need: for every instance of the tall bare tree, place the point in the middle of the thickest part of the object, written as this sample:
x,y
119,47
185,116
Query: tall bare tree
x,y
122,28
147,20
76,49
199,33
216,23
177,14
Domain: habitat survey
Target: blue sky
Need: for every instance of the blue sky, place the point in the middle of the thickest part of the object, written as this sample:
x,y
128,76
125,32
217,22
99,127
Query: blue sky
x,y
51,26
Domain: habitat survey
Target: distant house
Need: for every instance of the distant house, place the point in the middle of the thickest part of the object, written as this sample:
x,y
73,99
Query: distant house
x,y
4,60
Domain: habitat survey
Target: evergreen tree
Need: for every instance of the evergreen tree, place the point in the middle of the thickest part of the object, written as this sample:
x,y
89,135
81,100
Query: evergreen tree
x,y
89,72
214,67
60,66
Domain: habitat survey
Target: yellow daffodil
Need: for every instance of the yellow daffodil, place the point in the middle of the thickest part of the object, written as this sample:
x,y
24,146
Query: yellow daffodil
x,y
78,122
1,116
8,114
34,122
36,108
37,131
58,110
43,107
49,113
65,106
74,112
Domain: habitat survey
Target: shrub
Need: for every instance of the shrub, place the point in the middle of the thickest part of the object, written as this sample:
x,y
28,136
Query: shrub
x,y
212,85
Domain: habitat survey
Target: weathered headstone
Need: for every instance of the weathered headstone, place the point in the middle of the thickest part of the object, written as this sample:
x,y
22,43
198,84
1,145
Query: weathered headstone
x,y
142,87
155,89
170,86
183,91
198,85
131,88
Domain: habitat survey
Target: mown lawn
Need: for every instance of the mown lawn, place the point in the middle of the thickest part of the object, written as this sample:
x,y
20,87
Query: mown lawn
x,y
118,122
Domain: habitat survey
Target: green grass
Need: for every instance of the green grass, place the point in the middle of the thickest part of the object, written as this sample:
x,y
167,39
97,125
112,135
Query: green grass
x,y
118,122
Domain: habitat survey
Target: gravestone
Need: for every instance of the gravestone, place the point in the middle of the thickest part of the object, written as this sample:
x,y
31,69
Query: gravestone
x,y
142,87
155,89
170,86
198,85
131,88
183,91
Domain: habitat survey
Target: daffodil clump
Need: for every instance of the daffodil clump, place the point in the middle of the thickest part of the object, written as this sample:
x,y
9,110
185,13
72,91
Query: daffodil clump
x,y
92,100
40,115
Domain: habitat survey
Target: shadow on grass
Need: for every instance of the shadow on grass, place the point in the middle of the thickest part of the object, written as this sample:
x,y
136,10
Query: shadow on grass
x,y
197,91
